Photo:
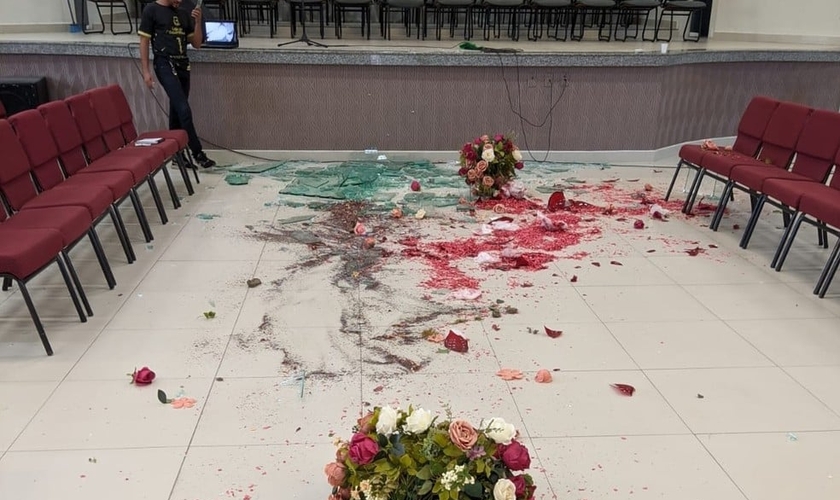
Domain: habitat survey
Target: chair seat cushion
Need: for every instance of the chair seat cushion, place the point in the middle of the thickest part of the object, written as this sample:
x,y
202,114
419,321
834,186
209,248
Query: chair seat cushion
x,y
96,199
25,251
789,192
71,222
137,167
169,146
693,153
684,5
598,4
640,4
754,176
179,136
822,203
152,157
722,164
119,182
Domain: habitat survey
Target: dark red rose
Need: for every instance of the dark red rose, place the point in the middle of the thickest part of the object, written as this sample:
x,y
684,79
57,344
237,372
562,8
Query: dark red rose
x,y
462,171
143,376
519,165
516,457
362,449
524,491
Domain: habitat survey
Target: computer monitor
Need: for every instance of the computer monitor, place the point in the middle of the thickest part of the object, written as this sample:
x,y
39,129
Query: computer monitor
x,y
220,34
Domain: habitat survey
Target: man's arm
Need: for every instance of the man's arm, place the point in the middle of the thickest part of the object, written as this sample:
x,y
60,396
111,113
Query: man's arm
x,y
197,36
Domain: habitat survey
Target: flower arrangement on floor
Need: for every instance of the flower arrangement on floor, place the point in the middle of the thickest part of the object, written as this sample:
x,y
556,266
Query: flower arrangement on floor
x,y
413,455
489,165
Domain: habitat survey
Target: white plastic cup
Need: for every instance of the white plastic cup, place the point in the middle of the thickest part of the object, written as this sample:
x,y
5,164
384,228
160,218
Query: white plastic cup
x,y
663,48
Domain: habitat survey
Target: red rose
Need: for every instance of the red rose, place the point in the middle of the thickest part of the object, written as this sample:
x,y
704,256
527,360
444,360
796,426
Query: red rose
x,y
516,457
524,491
362,449
499,138
143,376
519,165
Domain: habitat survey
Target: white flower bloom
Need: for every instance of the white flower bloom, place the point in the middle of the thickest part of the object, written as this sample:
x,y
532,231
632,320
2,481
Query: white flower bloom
x,y
488,155
517,155
504,490
418,421
364,487
387,423
499,431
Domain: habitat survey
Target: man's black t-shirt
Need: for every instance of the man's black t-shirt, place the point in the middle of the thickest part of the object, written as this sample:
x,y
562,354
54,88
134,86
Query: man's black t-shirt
x,y
170,30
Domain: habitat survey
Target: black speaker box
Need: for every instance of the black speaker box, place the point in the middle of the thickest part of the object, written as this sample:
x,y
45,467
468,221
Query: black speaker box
x,y
22,93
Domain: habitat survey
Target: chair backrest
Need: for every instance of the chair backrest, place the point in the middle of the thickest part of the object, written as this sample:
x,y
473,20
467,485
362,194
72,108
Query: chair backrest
x,y
40,147
779,140
2,110
124,111
109,119
88,125
66,134
753,124
818,145
15,175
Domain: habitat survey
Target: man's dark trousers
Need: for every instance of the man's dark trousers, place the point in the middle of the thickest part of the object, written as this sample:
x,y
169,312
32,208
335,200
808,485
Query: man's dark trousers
x,y
176,84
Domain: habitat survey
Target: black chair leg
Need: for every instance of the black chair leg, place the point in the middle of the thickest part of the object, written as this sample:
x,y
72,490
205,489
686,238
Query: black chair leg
x,y
72,290
674,180
122,233
71,270
787,238
103,260
756,214
156,197
834,263
35,318
721,208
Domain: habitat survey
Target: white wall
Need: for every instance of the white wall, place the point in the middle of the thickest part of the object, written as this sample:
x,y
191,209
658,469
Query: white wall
x,y
809,19
34,12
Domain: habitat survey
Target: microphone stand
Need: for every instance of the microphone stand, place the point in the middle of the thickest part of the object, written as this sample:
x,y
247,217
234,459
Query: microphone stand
x,y
304,38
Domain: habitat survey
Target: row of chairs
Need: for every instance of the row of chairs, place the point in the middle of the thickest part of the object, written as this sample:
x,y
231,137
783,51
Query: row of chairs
x,y
783,155
66,166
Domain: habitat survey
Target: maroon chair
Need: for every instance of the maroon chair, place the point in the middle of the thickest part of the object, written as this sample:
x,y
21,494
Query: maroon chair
x,y
140,167
777,150
37,141
2,111
70,145
816,151
54,208
157,156
177,137
747,141
24,253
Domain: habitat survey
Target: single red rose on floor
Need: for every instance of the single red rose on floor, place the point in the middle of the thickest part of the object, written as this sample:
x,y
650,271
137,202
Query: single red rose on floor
x,y
143,376
516,456
362,449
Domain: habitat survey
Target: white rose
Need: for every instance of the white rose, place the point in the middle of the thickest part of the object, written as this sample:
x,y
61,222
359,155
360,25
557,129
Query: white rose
x,y
499,431
504,490
488,155
387,422
418,421
517,155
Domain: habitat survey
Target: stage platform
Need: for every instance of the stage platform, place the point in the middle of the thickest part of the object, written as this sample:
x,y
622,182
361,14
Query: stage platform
x,y
410,95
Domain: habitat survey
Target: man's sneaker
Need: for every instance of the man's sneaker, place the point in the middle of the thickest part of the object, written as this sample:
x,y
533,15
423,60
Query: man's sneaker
x,y
203,161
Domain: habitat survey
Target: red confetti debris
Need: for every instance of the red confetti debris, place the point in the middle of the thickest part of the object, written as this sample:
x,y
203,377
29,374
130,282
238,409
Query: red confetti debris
x,y
639,224
495,327
510,205
596,264
378,388
556,201
626,390
553,333
616,263
455,342
694,252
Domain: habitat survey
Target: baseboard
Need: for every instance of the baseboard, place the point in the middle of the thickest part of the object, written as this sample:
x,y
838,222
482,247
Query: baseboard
x,y
15,29
663,157
772,38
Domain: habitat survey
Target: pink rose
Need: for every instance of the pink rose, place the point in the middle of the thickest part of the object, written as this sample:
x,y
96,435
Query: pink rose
x,y
488,146
499,138
336,473
362,449
515,456
479,140
472,175
488,181
519,165
364,423
143,376
485,138
543,377
462,434
481,166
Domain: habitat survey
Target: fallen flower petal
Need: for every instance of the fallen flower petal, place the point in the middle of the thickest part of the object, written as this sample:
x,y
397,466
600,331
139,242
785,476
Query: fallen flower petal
x,y
456,342
639,224
510,374
694,252
616,263
557,201
596,264
574,279
624,389
543,377
415,185
553,333
495,327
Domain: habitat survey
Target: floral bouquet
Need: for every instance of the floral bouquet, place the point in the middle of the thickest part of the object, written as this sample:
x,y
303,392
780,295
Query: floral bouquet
x,y
490,164
412,455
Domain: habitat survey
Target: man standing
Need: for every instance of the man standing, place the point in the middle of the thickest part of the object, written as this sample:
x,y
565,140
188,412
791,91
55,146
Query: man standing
x,y
168,29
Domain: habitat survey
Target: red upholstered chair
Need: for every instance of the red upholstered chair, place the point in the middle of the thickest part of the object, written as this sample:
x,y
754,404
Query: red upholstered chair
x,y
141,167
70,145
63,209
179,137
777,150
109,119
816,151
2,111
25,252
747,141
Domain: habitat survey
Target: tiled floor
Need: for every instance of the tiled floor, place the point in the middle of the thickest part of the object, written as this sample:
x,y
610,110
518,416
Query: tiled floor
x,y
736,367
